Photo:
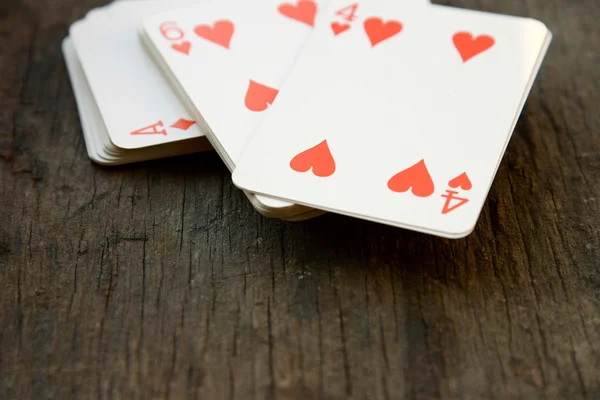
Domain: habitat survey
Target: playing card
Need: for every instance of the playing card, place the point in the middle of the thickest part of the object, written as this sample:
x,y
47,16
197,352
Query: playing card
x,y
137,109
402,119
91,121
228,61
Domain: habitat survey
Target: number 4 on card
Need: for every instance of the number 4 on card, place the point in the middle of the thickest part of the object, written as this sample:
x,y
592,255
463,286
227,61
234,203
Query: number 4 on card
x,y
348,12
349,15
452,201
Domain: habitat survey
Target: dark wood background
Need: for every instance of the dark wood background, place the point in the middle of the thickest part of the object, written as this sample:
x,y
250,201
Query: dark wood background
x,y
159,280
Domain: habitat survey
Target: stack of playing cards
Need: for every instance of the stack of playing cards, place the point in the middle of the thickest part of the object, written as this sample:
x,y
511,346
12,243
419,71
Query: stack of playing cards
x,y
395,112
127,109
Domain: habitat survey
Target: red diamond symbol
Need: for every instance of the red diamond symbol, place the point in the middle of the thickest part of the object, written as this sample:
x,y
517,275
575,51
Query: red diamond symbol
x,y
183,124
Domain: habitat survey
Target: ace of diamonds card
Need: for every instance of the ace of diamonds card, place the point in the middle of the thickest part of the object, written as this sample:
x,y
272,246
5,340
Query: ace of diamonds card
x,y
128,111
401,118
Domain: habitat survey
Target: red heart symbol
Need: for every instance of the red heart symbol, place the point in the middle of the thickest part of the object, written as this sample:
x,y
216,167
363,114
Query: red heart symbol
x,y
220,33
416,177
183,47
469,47
318,158
258,96
304,11
339,28
461,181
378,31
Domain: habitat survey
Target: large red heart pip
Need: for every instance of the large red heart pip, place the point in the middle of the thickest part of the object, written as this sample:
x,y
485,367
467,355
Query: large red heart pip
x,y
259,96
220,33
304,11
468,46
416,178
378,31
318,158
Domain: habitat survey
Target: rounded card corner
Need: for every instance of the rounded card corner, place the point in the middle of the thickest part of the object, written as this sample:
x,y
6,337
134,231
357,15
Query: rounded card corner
x,y
66,43
539,25
463,232
235,178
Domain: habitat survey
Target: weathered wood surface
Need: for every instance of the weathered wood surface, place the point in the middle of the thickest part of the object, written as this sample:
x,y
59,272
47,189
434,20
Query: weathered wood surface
x,y
159,280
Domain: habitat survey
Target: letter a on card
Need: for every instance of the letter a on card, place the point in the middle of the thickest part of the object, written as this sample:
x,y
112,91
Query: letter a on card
x,y
151,130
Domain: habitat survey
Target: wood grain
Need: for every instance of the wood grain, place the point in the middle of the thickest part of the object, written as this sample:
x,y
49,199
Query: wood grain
x,y
159,280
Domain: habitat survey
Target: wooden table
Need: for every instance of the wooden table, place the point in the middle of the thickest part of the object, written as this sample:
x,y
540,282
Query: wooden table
x,y
159,280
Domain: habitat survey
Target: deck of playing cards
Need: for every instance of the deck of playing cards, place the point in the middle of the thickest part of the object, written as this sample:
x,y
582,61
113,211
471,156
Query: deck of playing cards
x,y
127,109
395,112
